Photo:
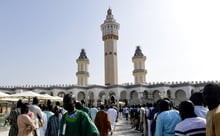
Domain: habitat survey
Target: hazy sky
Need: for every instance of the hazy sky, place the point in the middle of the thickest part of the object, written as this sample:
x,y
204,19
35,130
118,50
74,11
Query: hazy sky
x,y
40,40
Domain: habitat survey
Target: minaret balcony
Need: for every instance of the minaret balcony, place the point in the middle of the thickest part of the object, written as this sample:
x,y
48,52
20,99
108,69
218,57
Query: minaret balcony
x,y
139,71
110,36
82,73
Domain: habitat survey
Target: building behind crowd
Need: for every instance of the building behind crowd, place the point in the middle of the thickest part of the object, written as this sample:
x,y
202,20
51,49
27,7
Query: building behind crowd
x,y
139,92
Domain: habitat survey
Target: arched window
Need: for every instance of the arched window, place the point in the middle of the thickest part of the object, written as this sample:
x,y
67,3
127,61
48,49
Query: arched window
x,y
61,94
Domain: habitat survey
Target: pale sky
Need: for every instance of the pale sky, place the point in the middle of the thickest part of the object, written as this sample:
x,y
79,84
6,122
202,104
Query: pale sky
x,y
40,40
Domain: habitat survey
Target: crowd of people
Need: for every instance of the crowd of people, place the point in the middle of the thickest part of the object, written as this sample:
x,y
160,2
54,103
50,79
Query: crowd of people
x,y
198,116
73,118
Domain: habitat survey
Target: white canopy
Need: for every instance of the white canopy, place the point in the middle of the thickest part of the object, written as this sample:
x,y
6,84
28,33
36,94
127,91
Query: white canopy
x,y
47,96
9,99
52,98
3,94
30,94
57,98
27,94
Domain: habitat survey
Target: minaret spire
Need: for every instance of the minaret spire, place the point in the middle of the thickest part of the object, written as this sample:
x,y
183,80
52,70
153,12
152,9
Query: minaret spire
x,y
82,74
139,71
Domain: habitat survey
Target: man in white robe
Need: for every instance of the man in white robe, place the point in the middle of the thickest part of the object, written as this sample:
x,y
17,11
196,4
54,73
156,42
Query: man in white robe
x,y
112,113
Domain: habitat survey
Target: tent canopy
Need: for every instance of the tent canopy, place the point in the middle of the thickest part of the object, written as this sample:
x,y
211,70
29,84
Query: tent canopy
x,y
30,94
27,94
3,94
9,99
52,98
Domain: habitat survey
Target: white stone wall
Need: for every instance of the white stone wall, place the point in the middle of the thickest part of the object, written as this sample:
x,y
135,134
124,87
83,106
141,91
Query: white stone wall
x,y
134,94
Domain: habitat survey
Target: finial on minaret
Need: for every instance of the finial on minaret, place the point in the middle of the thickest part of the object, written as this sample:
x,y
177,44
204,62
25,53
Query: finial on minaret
x,y
109,11
82,54
138,51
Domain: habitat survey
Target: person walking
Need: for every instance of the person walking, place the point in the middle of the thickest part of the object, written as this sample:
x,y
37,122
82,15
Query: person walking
x,y
81,106
25,125
93,111
211,95
102,122
199,108
37,116
166,120
125,112
190,124
143,126
7,113
76,122
53,125
112,115
13,131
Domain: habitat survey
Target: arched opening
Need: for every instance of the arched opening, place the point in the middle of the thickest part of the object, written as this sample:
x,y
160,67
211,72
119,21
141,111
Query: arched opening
x,y
102,98
81,96
180,96
169,94
61,94
134,99
156,95
91,99
145,97
112,97
123,97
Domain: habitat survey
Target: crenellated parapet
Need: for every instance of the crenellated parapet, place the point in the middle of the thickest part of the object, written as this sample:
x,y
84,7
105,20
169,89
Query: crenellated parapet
x,y
132,93
125,85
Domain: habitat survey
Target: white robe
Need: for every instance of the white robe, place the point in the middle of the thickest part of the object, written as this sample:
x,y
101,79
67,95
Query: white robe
x,y
93,112
44,127
112,113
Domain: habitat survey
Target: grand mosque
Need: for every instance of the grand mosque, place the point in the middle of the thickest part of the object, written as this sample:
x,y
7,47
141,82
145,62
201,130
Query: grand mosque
x,y
139,92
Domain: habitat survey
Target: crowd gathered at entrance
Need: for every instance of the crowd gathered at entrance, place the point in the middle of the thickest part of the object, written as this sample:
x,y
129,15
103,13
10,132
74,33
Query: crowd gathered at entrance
x,y
198,116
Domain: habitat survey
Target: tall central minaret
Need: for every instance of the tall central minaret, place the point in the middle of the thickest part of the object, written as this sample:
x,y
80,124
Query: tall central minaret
x,y
110,36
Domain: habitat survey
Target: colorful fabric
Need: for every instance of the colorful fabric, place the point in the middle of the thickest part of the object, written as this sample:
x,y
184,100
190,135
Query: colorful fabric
x,y
77,124
191,127
102,122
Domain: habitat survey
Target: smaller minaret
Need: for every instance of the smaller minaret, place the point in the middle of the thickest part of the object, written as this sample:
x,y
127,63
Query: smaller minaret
x,y
82,74
139,71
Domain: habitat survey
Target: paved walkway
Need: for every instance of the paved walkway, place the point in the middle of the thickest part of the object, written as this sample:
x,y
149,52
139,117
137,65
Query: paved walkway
x,y
123,128
4,131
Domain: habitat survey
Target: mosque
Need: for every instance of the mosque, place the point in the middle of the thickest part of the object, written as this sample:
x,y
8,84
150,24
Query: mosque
x,y
140,92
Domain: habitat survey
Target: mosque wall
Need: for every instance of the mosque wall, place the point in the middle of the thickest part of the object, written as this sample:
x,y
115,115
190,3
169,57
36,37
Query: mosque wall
x,y
130,93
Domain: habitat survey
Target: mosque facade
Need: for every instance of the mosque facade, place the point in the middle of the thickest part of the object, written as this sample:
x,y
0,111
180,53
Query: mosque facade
x,y
140,92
